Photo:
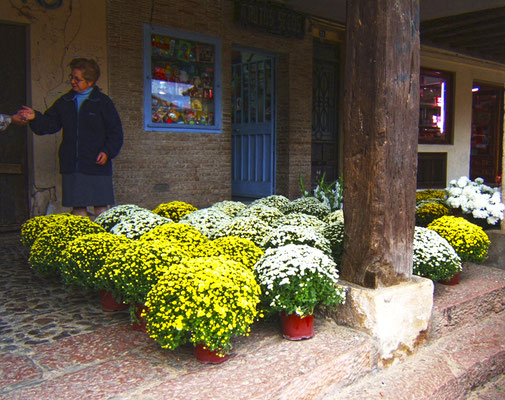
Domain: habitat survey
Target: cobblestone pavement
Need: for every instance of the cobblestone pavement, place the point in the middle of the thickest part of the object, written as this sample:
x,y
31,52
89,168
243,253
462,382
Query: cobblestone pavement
x,y
34,310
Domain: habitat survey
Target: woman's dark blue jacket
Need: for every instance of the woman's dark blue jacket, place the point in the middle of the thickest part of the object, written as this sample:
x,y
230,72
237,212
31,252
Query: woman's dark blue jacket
x,y
96,128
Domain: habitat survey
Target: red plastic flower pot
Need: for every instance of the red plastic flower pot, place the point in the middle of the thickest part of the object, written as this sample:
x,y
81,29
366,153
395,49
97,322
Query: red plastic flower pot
x,y
109,303
453,281
295,327
206,356
141,323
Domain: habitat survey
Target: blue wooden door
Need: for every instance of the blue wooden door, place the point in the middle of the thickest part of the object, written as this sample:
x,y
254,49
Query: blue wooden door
x,y
253,141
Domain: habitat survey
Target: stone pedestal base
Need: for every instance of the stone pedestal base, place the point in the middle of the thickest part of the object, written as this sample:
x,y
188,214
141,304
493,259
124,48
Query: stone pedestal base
x,y
398,317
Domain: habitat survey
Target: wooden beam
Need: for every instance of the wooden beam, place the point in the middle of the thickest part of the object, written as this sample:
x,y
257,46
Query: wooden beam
x,y
381,109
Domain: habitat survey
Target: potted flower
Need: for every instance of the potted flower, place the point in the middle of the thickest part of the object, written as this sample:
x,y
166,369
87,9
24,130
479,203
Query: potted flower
x,y
295,279
475,200
134,225
233,248
468,240
434,257
252,228
231,208
114,215
277,201
182,236
45,253
83,257
206,220
266,213
174,210
207,301
33,227
292,234
134,267
428,211
309,205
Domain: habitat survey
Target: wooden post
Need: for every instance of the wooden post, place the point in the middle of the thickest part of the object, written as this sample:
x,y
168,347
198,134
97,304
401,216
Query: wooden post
x,y
381,112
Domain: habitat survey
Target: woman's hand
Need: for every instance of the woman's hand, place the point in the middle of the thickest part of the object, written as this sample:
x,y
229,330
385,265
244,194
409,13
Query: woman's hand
x,y
102,158
26,113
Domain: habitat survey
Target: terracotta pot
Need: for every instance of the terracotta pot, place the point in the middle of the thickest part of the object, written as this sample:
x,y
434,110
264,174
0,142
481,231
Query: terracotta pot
x,y
109,303
296,328
453,281
206,356
141,323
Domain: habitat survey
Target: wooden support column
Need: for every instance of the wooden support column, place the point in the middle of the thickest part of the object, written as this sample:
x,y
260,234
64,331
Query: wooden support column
x,y
381,112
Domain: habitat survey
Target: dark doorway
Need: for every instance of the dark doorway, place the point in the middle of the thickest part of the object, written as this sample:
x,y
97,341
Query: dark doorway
x,y
487,132
14,208
325,102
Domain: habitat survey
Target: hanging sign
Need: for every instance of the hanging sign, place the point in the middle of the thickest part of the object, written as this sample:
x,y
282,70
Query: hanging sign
x,y
269,17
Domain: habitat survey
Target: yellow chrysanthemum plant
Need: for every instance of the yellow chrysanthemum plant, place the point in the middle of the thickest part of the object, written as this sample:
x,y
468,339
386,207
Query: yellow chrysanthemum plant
x,y
427,212
84,256
33,227
469,240
234,248
174,210
207,301
183,236
46,251
134,267
433,195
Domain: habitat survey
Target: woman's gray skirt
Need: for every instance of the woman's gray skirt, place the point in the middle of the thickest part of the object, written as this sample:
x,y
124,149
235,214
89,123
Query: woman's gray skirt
x,y
81,190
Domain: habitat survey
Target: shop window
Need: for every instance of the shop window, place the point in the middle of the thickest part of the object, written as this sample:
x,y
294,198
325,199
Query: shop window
x,y
435,113
182,89
431,170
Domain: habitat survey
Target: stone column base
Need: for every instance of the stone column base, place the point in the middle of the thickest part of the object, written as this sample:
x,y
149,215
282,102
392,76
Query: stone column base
x,y
398,317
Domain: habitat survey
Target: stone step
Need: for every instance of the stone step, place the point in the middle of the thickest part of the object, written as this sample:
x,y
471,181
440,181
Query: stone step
x,y
447,368
481,292
117,361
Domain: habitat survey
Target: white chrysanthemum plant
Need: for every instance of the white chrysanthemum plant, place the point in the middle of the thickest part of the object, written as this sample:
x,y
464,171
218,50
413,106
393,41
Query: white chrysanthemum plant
x,y
114,215
296,278
133,226
251,228
206,220
475,198
291,234
434,257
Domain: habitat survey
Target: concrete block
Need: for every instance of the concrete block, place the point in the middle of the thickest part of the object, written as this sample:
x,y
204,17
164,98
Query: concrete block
x,y
397,317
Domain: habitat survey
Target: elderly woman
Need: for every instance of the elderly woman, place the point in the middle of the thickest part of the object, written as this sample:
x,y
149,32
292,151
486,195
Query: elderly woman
x,y
92,137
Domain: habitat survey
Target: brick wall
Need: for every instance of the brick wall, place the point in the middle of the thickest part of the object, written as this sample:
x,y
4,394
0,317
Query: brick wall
x,y
157,167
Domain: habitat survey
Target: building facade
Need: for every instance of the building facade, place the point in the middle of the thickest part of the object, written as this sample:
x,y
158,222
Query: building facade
x,y
221,99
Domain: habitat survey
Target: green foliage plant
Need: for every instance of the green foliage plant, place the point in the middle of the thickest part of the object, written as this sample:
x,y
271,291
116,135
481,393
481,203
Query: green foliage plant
x,y
174,210
204,300
469,240
330,194
434,257
296,278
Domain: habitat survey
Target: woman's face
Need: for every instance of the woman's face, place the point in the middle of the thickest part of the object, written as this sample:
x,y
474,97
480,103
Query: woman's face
x,y
79,84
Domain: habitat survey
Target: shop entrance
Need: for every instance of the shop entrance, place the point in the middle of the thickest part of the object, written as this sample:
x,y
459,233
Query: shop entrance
x,y
253,124
13,141
487,133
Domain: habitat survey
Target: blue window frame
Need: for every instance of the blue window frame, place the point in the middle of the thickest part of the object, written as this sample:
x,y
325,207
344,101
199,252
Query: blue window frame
x,y
182,88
